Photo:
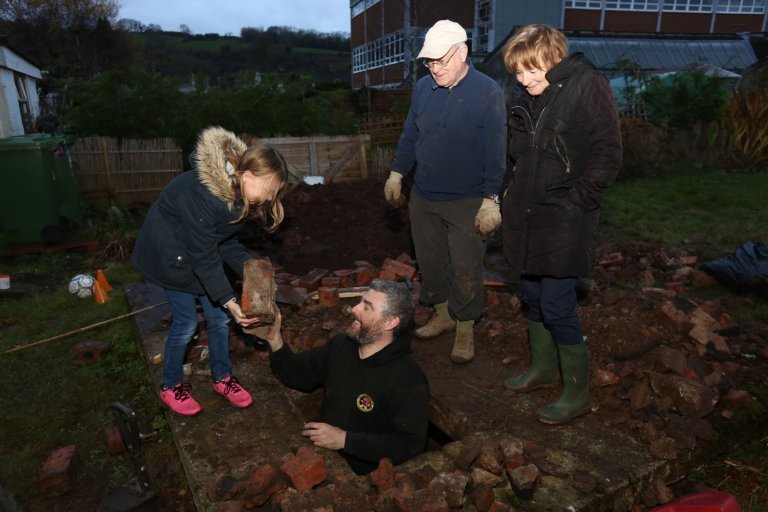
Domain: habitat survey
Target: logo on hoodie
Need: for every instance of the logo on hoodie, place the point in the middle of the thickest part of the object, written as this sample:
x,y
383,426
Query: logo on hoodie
x,y
364,402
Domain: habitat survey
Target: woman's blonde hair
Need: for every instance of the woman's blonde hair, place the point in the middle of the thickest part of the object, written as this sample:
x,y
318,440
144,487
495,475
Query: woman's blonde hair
x,y
535,46
259,160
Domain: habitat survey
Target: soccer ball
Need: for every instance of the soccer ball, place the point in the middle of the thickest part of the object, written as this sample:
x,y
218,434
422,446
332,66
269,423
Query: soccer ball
x,y
81,285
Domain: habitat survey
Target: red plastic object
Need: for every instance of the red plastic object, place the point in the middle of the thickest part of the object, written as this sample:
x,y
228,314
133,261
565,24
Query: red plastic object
x,y
713,501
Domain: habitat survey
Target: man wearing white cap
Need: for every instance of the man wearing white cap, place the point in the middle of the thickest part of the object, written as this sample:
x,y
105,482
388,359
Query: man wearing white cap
x,y
454,142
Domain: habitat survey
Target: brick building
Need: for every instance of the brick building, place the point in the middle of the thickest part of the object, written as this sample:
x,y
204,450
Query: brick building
x,y
387,34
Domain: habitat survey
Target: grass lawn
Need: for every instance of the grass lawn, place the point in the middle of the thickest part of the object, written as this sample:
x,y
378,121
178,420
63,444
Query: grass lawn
x,y
713,212
48,403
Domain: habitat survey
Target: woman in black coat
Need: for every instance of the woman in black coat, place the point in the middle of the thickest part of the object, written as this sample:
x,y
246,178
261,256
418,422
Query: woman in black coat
x,y
564,150
188,236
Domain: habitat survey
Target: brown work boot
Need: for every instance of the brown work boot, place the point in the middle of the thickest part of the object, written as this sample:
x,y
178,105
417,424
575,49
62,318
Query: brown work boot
x,y
464,345
436,326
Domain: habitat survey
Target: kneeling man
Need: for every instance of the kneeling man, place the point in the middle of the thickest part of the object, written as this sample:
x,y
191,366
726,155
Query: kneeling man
x,y
376,400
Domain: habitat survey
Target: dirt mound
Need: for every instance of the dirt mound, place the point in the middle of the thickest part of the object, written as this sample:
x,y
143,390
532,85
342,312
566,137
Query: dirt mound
x,y
331,226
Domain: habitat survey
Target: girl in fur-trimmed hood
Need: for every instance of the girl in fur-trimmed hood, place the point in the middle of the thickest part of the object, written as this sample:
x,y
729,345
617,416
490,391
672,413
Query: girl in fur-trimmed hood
x,y
188,236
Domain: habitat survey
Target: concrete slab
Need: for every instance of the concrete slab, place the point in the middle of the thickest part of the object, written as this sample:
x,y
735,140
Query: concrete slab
x,y
223,440
469,399
468,403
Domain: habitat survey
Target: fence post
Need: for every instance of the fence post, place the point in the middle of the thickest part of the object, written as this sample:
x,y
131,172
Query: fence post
x,y
363,158
108,167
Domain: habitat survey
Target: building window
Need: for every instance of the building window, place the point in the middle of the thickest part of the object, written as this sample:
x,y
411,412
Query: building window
x,y
24,107
688,5
361,6
724,6
583,4
632,5
381,52
741,6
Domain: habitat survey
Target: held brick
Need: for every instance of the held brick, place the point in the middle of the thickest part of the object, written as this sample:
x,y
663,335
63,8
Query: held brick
x,y
259,289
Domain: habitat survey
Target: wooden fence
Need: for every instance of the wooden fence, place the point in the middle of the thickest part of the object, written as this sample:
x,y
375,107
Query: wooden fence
x,y
126,171
384,133
134,171
339,158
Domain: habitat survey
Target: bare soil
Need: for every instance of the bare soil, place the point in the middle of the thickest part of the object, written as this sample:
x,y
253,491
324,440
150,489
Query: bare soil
x,y
334,226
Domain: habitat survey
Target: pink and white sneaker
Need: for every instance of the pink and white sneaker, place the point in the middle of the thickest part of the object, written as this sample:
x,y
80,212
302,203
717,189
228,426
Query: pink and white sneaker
x,y
231,389
179,401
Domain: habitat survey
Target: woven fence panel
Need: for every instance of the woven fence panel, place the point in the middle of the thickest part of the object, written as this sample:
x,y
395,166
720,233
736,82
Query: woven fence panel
x,y
128,171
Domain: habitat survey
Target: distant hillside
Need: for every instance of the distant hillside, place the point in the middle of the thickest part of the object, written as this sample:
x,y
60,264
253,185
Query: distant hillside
x,y
229,60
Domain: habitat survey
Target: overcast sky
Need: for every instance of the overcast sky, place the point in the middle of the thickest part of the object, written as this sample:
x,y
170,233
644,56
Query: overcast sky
x,y
229,16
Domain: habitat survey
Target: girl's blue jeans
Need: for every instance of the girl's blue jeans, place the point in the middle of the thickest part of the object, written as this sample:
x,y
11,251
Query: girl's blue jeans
x,y
183,326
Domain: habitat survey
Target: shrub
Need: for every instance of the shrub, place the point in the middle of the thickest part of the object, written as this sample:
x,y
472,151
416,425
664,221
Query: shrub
x,y
741,133
684,99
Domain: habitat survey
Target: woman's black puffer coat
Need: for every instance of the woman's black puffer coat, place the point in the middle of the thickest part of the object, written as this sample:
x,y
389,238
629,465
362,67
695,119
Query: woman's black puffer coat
x,y
564,150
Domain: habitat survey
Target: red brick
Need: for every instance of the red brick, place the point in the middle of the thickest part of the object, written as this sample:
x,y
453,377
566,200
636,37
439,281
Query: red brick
x,y
262,485
57,473
611,260
330,282
311,280
387,274
88,352
383,477
482,498
304,470
346,278
114,440
400,268
259,288
363,276
670,316
405,258
328,297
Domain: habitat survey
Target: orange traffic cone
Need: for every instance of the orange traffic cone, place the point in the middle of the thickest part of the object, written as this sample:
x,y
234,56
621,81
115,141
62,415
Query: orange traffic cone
x,y
99,294
102,280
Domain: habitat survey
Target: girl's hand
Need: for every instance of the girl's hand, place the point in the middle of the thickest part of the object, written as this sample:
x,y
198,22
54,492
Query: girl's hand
x,y
237,314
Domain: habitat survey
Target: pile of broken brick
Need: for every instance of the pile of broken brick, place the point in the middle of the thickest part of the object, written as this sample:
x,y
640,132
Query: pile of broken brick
x,y
468,473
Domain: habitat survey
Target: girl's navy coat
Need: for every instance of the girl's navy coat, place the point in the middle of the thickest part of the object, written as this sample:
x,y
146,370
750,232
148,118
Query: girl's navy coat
x,y
188,234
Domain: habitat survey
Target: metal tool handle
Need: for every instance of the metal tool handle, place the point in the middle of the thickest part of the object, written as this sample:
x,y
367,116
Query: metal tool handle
x,y
129,430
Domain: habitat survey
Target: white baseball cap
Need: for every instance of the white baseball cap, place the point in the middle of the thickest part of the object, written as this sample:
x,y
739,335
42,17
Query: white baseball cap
x,y
440,38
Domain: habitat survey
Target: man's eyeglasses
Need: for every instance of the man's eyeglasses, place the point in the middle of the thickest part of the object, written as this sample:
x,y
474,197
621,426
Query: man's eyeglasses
x,y
429,64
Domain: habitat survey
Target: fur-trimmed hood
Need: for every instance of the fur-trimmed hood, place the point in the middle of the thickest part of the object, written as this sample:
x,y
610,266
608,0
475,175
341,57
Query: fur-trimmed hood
x,y
212,164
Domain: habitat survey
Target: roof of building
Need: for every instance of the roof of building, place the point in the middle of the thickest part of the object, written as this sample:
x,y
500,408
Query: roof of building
x,y
653,53
659,54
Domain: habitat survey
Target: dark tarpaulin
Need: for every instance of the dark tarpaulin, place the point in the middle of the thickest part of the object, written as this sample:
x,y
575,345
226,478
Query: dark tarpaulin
x,y
745,271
